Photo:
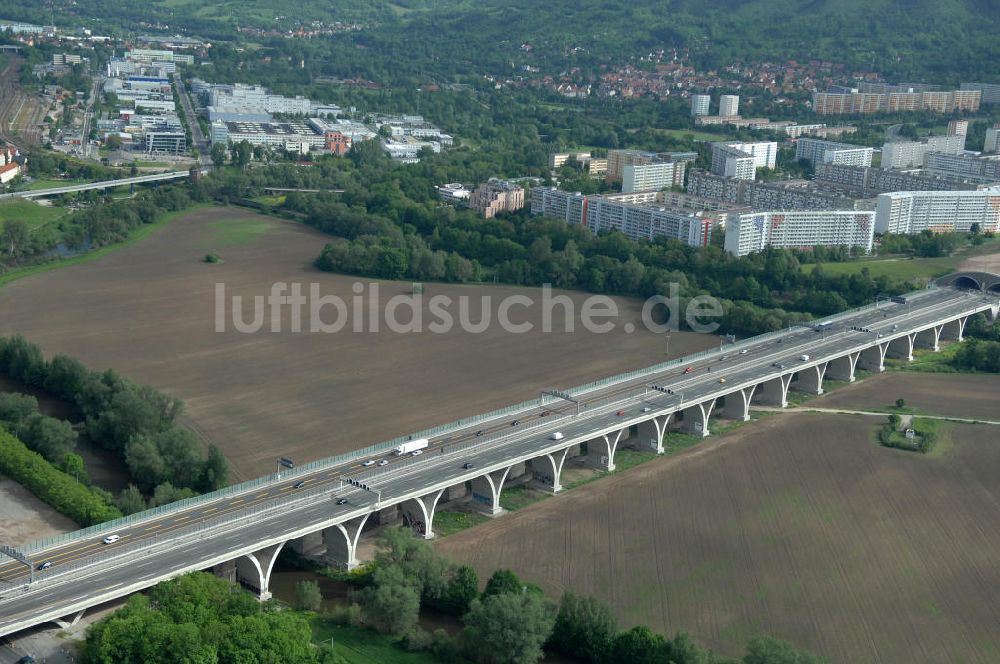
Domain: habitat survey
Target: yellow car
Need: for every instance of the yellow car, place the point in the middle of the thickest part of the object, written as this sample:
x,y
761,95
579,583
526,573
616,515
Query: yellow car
x,y
722,380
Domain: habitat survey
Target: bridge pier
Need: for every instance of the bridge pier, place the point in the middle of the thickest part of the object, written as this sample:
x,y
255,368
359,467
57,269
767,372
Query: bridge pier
x,y
873,358
650,433
929,338
307,544
342,542
810,379
953,330
601,450
737,406
486,491
774,392
69,621
696,418
421,510
842,368
254,569
456,492
901,348
546,470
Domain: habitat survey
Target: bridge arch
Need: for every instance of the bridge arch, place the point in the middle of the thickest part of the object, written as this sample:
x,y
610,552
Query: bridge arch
x,y
984,281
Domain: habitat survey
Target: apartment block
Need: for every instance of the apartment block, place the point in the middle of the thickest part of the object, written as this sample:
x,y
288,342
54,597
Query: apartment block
x,y
644,222
911,212
729,105
857,102
700,104
794,195
911,154
799,229
571,207
990,91
495,196
558,159
971,168
741,160
817,151
992,142
958,128
869,181
656,176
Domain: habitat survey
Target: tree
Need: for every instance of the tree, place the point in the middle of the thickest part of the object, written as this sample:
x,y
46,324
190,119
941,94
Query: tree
x,y
308,596
51,438
113,142
509,628
242,153
14,236
392,603
461,590
130,500
900,403
503,581
218,155
16,407
72,464
638,645
583,628
894,421
768,650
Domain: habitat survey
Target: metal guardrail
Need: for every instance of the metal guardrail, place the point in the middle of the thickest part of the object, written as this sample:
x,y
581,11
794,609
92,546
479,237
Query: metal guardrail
x,y
358,455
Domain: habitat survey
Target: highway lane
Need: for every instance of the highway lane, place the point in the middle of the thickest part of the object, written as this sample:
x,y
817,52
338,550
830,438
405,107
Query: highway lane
x,y
692,386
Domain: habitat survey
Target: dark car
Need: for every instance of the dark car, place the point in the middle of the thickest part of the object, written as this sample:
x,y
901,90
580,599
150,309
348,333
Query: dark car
x,y
467,465
480,432
47,564
27,659
299,484
515,423
342,501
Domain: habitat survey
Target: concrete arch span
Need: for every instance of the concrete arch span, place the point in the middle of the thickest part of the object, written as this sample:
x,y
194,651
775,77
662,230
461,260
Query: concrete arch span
x,y
983,281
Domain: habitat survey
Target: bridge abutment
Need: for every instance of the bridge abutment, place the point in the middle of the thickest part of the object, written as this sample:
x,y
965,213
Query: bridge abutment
x,y
419,512
342,542
254,569
486,491
774,392
546,470
696,418
810,379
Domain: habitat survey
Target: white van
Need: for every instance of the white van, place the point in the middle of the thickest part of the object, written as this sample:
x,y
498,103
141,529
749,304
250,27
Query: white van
x,y
804,358
556,436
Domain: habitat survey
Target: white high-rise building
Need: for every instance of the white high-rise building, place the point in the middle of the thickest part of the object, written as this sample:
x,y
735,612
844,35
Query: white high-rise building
x,y
652,177
992,142
700,104
909,154
799,229
958,128
828,152
911,212
729,105
642,222
741,160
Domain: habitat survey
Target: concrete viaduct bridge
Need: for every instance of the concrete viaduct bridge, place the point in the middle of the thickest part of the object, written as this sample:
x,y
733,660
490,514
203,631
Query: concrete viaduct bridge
x,y
323,508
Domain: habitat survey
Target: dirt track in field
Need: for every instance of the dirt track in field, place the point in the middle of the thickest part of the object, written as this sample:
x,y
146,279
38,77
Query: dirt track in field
x,y
148,311
796,526
950,395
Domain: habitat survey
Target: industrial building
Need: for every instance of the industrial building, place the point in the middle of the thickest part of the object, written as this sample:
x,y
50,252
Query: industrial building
x,y
911,212
816,151
799,229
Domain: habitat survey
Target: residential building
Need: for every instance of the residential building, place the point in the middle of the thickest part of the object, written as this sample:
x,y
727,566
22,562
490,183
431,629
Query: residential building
x,y
618,159
571,207
495,196
558,159
990,91
799,229
958,127
911,212
858,102
643,222
788,195
700,104
455,193
337,143
992,142
868,180
911,154
729,105
656,176
817,151
741,160
12,164
965,167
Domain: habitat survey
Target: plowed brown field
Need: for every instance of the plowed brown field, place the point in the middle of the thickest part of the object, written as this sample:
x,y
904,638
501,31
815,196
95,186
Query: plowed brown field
x,y
796,526
148,311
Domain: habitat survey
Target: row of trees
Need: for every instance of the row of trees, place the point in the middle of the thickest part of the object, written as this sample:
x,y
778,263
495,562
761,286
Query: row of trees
x,y
53,438
511,622
134,421
85,505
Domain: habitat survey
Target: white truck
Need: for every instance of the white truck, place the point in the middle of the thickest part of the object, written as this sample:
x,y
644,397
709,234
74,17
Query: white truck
x,y
412,446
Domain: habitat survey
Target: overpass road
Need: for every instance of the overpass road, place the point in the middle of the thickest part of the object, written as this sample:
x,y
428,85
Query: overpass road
x,y
252,522
103,184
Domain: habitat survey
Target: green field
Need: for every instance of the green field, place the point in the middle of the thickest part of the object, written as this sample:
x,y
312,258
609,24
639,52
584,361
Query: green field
x,y
238,231
49,184
908,268
33,214
365,646
693,133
